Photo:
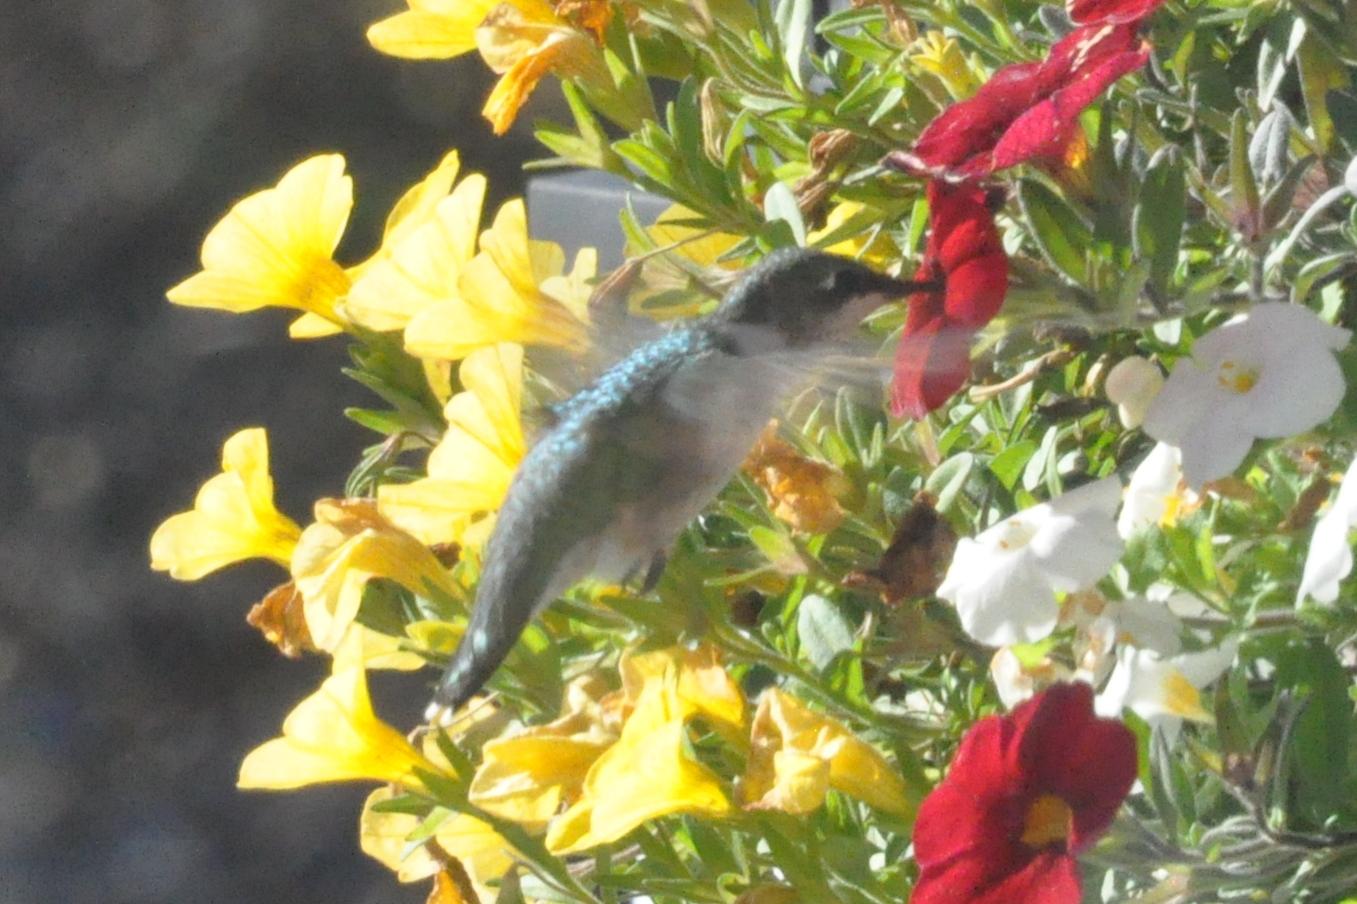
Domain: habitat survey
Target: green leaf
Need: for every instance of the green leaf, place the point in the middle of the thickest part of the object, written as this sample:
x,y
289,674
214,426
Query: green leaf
x,y
1060,232
948,478
780,204
1159,215
793,28
823,629
1008,465
1247,206
1322,736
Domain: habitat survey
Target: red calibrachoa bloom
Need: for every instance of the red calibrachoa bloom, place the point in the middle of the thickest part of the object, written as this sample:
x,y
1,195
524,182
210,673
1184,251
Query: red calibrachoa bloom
x,y
1026,793
1026,111
965,262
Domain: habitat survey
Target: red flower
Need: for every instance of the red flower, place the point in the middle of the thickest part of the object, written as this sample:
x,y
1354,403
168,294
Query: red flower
x,y
966,265
1026,110
1111,12
1026,793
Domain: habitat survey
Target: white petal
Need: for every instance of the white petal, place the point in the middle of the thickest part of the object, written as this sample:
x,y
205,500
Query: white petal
x,y
1077,545
1012,603
1153,483
1132,385
1215,449
1294,396
1329,559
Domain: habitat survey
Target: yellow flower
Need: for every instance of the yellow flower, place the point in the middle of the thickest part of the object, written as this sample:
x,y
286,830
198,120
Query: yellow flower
x,y
276,247
470,468
521,40
797,755
431,29
802,493
524,41
233,517
514,290
528,776
645,775
942,56
385,836
333,736
429,240
349,545
701,685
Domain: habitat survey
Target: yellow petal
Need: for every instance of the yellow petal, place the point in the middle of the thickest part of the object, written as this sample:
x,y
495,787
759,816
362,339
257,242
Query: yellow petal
x,y
422,262
525,779
275,247
785,731
384,836
644,776
233,517
431,29
349,545
799,783
332,736
482,851
313,326
670,229
471,467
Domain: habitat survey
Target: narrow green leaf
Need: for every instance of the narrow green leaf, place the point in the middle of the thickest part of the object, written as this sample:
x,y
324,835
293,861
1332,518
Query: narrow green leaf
x,y
1159,215
1060,232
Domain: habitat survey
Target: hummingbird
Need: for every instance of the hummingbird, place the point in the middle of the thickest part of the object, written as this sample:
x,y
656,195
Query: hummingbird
x,y
633,458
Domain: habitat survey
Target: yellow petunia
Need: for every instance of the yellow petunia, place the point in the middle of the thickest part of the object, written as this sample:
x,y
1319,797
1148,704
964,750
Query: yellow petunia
x,y
350,544
233,517
385,836
797,755
528,776
429,240
333,736
703,247
514,290
276,247
470,469
645,775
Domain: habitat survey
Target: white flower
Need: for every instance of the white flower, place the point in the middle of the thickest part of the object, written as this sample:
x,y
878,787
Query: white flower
x,y
1163,690
1004,582
1017,680
1102,627
1155,493
1330,557
1132,385
1269,373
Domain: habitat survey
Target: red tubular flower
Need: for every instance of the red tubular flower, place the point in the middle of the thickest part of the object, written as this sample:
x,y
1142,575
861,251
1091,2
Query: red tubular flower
x,y
1026,793
1026,110
965,260
1111,12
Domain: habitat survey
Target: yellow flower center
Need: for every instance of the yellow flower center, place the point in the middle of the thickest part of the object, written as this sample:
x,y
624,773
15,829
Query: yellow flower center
x,y
1049,821
1182,698
322,283
1235,378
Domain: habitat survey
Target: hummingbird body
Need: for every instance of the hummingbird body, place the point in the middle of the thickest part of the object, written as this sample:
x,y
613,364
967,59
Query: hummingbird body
x,y
633,458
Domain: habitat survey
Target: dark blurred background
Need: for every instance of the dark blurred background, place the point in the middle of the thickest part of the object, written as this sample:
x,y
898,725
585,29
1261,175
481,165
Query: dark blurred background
x,y
127,128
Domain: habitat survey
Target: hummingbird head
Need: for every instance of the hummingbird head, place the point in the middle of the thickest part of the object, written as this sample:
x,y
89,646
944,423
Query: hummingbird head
x,y
797,298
